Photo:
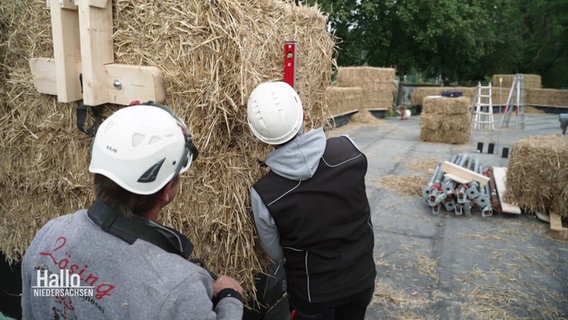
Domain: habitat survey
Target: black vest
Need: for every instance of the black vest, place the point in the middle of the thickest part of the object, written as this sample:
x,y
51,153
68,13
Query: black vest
x,y
324,225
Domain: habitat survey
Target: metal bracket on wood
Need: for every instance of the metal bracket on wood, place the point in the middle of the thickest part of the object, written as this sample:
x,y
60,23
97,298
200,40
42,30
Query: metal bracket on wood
x,y
82,46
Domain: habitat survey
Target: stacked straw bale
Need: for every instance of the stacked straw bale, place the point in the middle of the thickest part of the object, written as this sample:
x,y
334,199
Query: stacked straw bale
x,y
532,81
535,95
419,93
445,120
341,100
547,98
537,174
378,85
212,54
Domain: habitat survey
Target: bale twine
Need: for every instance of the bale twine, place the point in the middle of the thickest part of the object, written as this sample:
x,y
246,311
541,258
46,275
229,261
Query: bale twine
x,y
445,120
212,54
537,174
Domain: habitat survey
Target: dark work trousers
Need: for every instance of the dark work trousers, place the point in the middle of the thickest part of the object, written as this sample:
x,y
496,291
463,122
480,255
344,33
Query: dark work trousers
x,y
349,308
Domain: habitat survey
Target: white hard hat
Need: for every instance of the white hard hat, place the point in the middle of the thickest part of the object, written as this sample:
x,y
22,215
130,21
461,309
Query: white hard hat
x,y
142,147
274,112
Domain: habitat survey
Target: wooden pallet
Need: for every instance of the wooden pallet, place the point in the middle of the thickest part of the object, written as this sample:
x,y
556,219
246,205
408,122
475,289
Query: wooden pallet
x,y
556,229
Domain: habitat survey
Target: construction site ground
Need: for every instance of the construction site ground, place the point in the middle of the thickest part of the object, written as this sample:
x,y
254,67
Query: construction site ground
x,y
506,266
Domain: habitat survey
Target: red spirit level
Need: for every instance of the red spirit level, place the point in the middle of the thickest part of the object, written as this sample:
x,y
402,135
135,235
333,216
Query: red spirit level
x,y
290,63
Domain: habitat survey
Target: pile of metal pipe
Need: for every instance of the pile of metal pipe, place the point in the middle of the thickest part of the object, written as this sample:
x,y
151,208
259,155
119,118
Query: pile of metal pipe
x,y
442,192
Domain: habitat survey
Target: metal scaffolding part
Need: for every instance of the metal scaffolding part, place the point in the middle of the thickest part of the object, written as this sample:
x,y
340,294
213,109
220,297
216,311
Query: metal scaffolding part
x,y
516,103
455,194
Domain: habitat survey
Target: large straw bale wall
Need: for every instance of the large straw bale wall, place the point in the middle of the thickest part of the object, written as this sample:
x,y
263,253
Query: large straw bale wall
x,y
378,85
535,95
537,174
557,98
212,54
445,120
547,97
532,81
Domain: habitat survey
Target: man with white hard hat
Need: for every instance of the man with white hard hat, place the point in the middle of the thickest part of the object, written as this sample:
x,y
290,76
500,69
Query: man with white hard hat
x,y
312,210
114,260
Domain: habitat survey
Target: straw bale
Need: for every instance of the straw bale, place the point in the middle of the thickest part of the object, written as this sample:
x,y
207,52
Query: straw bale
x,y
381,97
419,93
212,54
451,129
343,99
532,81
547,97
365,77
537,174
560,202
379,85
446,106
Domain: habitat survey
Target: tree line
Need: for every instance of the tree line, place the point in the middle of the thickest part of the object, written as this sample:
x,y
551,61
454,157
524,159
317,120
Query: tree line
x,y
463,41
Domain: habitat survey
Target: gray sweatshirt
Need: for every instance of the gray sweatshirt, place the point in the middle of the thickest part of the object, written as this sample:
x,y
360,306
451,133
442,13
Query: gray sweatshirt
x,y
138,281
296,160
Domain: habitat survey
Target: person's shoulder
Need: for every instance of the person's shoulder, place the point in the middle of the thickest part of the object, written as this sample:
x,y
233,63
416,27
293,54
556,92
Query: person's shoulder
x,y
343,145
63,220
343,139
168,263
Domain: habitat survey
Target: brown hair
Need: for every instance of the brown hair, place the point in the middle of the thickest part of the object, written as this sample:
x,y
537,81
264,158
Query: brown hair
x,y
127,203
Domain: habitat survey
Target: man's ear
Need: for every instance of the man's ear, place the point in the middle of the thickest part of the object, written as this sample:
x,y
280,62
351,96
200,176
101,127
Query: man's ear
x,y
168,192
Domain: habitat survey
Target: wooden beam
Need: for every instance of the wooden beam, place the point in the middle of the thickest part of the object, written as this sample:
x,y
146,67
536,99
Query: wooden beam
x,y
98,3
456,178
66,50
463,173
499,174
136,83
43,74
96,50
68,4
86,49
556,228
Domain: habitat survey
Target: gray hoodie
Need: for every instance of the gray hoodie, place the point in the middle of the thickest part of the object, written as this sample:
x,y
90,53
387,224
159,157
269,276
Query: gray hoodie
x,y
138,281
296,160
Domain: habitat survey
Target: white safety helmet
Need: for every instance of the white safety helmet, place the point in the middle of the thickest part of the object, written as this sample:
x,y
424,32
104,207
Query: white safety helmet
x,y
274,112
142,147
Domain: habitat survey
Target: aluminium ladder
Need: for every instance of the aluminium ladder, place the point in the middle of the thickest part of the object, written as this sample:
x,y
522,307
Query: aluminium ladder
x,y
483,108
516,101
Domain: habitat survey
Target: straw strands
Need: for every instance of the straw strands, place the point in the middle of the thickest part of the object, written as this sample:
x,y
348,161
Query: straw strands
x,y
446,120
409,185
419,93
447,106
212,54
343,99
532,81
378,84
547,97
543,159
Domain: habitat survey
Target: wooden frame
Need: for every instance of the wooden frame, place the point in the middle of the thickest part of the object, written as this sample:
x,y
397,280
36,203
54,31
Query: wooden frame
x,y
83,65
